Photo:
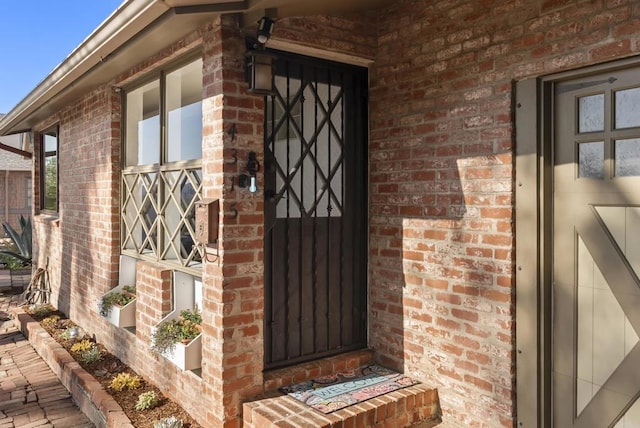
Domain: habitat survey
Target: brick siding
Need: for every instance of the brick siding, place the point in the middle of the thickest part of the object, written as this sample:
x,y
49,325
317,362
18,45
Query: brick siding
x,y
441,285
81,245
441,243
16,197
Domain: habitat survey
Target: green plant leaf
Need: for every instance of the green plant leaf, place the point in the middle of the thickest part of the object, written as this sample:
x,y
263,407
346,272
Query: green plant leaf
x,y
22,240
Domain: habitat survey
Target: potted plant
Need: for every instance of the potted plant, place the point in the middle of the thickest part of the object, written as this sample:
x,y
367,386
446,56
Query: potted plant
x,y
178,338
119,306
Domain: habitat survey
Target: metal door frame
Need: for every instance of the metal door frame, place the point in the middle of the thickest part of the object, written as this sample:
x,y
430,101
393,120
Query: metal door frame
x,y
357,208
533,107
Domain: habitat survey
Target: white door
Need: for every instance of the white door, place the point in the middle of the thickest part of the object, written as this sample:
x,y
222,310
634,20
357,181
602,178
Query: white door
x,y
596,262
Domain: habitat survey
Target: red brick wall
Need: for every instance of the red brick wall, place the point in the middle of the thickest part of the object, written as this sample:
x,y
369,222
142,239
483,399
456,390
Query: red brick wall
x,y
234,284
81,244
441,244
233,278
16,197
352,35
441,196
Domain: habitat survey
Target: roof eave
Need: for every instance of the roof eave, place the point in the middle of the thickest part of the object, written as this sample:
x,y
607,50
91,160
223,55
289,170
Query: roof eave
x,y
102,55
130,19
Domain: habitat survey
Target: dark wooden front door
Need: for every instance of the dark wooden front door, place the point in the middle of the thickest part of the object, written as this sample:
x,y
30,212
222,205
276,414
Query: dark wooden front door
x,y
315,211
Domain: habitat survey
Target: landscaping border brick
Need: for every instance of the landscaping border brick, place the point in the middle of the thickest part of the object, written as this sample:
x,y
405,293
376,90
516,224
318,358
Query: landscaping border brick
x,y
86,391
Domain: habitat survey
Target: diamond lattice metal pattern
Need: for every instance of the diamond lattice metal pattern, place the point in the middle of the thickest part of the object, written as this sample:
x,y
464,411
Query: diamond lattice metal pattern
x,y
306,138
159,215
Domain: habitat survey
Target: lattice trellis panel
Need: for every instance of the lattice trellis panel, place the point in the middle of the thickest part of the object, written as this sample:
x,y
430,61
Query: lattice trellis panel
x,y
158,214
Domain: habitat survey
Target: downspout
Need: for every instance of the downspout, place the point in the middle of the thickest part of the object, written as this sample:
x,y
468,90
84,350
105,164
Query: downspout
x,y
6,196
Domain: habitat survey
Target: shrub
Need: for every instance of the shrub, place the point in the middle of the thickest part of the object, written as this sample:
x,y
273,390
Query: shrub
x,y
125,380
51,321
146,401
91,356
41,310
82,346
170,332
193,316
116,298
11,262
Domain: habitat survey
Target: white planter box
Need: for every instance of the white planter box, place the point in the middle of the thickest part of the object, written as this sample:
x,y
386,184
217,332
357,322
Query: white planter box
x,y
187,293
187,357
122,316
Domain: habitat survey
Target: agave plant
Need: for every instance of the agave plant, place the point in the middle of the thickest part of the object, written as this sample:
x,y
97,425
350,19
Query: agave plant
x,y
22,241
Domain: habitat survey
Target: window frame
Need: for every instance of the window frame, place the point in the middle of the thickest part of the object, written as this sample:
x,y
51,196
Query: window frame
x,y
160,75
42,183
162,167
29,192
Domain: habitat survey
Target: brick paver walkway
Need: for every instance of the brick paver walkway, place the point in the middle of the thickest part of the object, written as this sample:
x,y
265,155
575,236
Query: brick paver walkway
x,y
30,393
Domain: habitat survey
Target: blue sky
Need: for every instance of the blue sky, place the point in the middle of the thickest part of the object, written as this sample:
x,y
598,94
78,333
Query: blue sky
x,y
37,35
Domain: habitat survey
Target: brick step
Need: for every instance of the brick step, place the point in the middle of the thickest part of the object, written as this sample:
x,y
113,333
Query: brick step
x,y
415,406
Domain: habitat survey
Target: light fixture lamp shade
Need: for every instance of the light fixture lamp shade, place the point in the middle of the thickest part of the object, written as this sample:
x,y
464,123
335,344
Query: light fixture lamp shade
x,y
260,72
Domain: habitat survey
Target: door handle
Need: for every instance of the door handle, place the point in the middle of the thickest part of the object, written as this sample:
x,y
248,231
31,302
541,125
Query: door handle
x,y
271,196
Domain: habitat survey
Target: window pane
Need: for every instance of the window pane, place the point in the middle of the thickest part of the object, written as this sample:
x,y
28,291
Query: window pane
x,y
143,125
628,157
628,108
149,215
50,142
591,113
50,171
184,113
591,160
188,196
29,192
179,214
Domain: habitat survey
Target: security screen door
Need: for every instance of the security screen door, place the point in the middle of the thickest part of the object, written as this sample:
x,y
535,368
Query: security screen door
x,y
315,211
596,319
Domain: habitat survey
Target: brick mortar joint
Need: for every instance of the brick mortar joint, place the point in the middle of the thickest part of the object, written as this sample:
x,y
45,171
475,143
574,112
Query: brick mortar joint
x,y
29,328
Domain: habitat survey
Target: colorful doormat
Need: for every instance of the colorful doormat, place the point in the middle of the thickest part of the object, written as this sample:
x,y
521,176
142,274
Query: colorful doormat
x,y
330,393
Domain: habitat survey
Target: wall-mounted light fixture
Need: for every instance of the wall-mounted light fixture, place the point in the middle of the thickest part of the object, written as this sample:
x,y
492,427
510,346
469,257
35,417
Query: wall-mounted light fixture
x,y
260,72
250,180
259,61
265,28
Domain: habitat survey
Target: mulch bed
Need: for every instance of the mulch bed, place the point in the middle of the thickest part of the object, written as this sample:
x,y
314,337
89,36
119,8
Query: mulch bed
x,y
104,371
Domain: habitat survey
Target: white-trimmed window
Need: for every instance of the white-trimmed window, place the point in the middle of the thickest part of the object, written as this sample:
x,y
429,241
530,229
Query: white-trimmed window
x,y
162,175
